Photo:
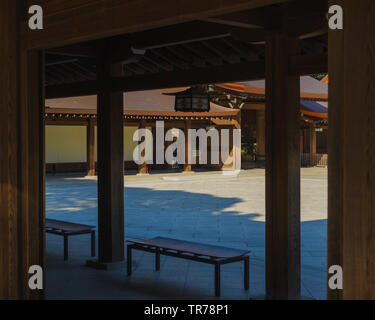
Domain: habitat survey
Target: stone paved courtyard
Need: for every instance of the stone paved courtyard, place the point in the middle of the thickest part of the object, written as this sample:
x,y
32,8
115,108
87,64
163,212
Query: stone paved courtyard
x,y
207,207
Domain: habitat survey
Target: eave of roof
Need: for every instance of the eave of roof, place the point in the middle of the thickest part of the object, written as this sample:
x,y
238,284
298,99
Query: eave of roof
x,y
261,92
145,113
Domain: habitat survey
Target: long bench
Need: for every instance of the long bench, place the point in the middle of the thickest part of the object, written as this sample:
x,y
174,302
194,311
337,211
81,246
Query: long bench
x,y
66,229
205,253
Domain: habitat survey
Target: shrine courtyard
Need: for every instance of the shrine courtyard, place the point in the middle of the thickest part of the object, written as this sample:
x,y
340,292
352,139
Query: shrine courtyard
x,y
206,207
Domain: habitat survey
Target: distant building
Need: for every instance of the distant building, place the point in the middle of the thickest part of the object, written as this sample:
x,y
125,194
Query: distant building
x,y
71,124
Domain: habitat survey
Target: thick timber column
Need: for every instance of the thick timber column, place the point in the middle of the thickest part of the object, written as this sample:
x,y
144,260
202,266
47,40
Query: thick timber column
x,y
21,160
312,145
187,166
282,170
90,147
110,165
351,150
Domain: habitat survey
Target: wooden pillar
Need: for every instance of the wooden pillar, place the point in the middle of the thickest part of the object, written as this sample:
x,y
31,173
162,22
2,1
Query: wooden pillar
x,y
90,147
21,160
306,141
282,170
237,147
110,165
261,134
351,150
187,166
231,165
312,133
142,169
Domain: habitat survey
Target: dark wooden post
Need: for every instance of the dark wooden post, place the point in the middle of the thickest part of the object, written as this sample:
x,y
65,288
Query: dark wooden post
x,y
187,166
351,151
142,169
312,145
110,165
21,160
282,170
90,147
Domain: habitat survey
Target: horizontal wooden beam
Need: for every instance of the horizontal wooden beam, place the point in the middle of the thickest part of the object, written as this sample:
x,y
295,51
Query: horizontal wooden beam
x,y
308,64
263,17
71,22
76,89
244,71
178,34
226,73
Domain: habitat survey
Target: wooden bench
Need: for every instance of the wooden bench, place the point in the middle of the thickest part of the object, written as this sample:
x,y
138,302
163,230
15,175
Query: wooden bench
x,y
205,253
67,229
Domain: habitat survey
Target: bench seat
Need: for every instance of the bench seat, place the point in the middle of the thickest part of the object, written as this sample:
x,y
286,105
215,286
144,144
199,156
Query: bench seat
x,y
206,253
67,229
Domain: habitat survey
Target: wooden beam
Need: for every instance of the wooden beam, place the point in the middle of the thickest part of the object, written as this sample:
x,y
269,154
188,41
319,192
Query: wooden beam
x,y
90,147
262,17
282,170
81,21
177,34
110,166
308,64
81,50
216,74
243,71
84,88
306,27
351,149
231,22
225,73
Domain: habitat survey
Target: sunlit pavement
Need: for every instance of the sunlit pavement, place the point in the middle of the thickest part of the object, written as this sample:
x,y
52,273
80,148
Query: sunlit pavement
x,y
207,207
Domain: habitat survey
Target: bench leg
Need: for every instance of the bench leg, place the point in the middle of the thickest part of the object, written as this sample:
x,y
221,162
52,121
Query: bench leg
x,y
65,247
217,279
246,272
129,260
157,261
93,243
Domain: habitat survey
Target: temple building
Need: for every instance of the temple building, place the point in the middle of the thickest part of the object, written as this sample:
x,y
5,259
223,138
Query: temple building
x,y
71,135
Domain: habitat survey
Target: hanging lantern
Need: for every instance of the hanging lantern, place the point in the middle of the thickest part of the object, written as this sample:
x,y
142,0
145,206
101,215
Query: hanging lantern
x,y
194,99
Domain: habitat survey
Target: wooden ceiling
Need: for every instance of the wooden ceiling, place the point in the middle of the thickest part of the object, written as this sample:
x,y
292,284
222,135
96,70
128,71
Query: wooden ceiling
x,y
208,49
